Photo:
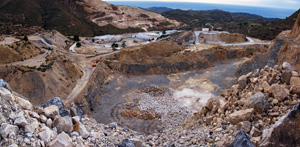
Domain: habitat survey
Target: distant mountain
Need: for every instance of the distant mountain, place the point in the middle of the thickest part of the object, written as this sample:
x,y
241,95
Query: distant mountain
x,y
248,24
159,9
83,17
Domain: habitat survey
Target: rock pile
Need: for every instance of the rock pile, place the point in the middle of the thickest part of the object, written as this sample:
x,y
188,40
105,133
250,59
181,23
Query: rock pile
x,y
255,104
260,110
52,125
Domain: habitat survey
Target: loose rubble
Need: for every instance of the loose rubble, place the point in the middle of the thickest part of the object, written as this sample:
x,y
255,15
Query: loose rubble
x,y
254,112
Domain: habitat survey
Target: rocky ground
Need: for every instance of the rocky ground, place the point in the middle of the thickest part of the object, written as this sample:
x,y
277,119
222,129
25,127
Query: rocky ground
x,y
260,105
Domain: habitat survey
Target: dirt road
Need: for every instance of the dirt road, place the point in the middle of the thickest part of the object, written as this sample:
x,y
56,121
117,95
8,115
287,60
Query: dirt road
x,y
35,61
88,70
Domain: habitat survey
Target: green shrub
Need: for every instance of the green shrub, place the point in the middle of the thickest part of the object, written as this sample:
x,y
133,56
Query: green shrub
x,y
78,44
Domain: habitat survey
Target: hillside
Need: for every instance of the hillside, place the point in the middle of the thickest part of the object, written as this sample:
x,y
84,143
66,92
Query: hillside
x,y
86,18
270,30
247,24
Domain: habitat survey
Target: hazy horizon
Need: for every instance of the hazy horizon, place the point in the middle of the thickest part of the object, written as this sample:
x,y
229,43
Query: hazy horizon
x,y
288,4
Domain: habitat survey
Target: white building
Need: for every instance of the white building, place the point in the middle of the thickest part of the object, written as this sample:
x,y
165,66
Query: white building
x,y
205,29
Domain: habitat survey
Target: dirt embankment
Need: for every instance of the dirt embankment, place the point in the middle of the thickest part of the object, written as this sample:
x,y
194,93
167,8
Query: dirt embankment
x,y
233,38
285,48
168,57
183,38
18,51
55,78
222,37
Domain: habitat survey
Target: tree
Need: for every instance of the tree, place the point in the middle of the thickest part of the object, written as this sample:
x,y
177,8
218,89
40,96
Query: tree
x,y
78,44
25,38
123,45
76,38
114,45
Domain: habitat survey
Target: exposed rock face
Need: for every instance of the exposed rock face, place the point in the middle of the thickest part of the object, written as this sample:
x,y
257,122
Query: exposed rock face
x,y
242,140
40,86
285,131
285,48
167,57
296,29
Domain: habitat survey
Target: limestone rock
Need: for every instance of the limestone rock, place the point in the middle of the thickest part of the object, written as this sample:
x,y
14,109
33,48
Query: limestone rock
x,y
51,111
266,86
46,134
286,77
241,140
278,92
242,115
285,132
5,94
62,140
43,118
209,103
7,129
63,124
242,82
259,102
287,66
82,131
245,125
31,126
295,81
254,132
49,122
25,104
295,90
20,121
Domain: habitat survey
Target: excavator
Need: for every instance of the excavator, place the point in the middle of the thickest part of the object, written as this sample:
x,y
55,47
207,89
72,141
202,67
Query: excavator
x,y
94,62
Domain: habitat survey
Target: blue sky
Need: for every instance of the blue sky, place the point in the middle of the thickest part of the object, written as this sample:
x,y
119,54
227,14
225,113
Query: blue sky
x,y
289,4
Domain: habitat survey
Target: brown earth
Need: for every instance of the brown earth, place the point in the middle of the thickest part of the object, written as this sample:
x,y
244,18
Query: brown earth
x,y
233,38
183,38
55,78
137,113
222,37
18,51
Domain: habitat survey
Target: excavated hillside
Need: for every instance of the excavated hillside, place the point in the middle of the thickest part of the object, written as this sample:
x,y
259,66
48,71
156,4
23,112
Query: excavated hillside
x,y
222,37
183,38
56,77
285,48
103,13
168,57
18,51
